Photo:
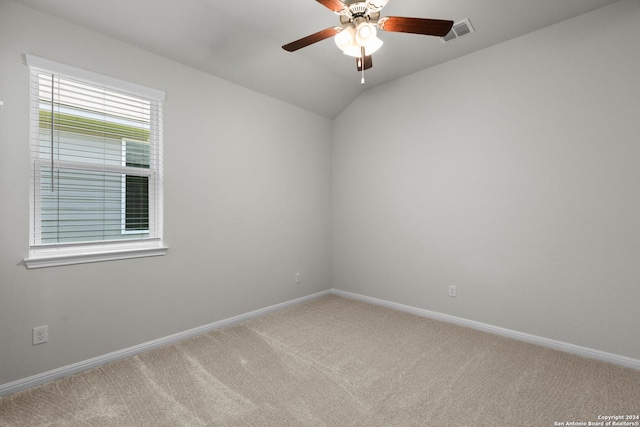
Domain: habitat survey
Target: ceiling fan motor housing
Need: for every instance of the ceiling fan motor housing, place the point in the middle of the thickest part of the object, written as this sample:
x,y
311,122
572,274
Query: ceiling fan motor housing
x,y
371,5
357,13
358,9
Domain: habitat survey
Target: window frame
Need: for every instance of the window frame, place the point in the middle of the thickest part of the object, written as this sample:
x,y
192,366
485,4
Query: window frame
x,y
55,254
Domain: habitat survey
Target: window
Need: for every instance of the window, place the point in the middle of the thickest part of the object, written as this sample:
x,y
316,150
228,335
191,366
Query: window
x,y
96,167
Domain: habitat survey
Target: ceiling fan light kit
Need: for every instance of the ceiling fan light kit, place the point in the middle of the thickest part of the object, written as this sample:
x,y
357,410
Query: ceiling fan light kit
x,y
359,22
351,39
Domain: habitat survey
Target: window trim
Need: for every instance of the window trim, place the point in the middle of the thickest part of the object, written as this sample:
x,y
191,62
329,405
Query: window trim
x,y
91,77
74,253
57,254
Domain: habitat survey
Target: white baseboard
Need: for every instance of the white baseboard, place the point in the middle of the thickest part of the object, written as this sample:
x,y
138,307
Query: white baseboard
x,y
35,380
590,353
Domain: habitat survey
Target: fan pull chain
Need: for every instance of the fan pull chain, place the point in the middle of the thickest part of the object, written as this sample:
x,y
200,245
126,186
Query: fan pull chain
x,y
362,64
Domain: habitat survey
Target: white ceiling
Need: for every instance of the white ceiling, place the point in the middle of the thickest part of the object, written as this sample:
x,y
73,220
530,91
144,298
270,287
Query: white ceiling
x,y
241,41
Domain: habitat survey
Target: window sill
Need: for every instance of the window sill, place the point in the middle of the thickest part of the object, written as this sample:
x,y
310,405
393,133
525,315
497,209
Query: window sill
x,y
56,257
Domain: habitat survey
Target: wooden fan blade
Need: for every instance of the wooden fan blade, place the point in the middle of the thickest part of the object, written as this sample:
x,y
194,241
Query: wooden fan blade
x,y
427,27
335,5
368,63
311,39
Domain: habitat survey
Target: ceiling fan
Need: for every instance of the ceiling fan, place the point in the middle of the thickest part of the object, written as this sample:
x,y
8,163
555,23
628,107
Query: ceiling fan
x,y
357,35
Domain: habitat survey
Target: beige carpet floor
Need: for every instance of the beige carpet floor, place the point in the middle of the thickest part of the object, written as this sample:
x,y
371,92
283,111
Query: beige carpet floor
x,y
335,362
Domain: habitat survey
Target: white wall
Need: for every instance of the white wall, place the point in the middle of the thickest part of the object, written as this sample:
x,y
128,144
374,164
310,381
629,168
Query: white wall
x,y
512,173
247,205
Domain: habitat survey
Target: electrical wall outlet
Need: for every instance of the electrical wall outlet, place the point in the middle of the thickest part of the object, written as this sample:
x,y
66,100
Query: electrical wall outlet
x,y
40,335
452,291
298,279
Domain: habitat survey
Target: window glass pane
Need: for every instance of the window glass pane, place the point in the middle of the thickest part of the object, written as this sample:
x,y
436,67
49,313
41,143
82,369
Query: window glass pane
x,y
85,205
136,154
87,136
137,203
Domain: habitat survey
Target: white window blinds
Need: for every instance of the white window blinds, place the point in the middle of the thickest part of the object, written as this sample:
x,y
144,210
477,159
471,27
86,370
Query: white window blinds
x,y
96,162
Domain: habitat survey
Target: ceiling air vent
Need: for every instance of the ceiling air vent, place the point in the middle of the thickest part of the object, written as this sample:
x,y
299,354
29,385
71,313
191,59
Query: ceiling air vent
x,y
459,29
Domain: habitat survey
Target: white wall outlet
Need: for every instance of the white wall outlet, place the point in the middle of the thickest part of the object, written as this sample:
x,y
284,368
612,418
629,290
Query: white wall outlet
x,y
40,335
298,279
452,291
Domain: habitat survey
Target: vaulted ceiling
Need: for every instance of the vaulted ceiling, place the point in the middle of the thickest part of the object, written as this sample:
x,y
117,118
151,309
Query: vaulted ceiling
x,y
240,41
